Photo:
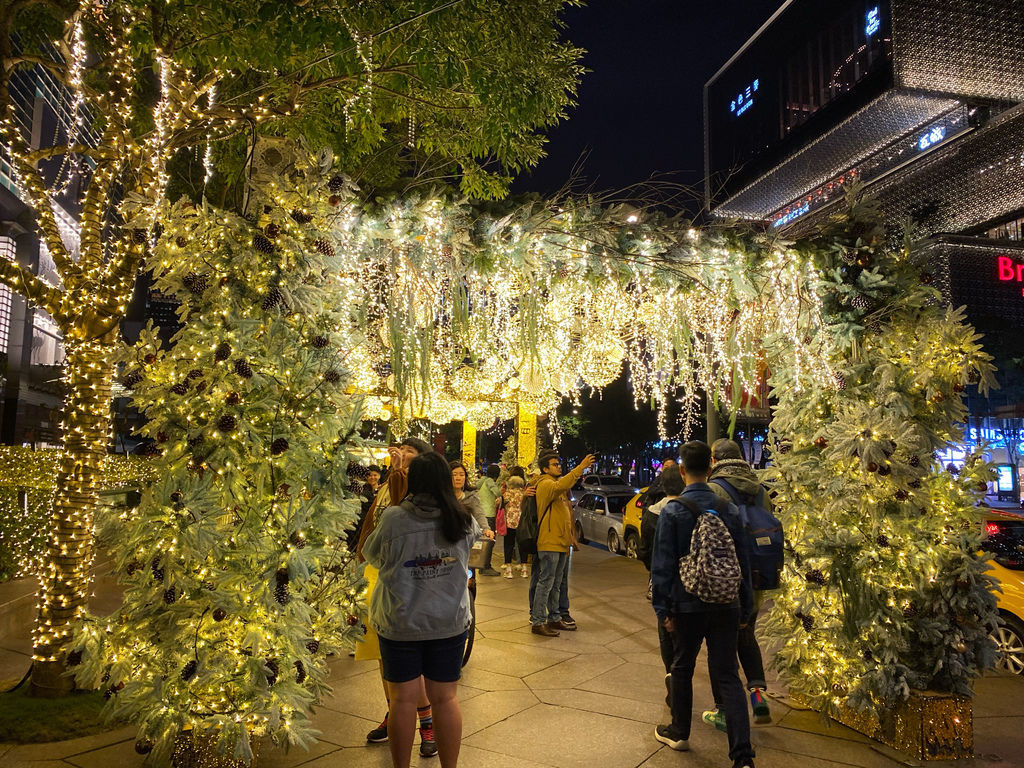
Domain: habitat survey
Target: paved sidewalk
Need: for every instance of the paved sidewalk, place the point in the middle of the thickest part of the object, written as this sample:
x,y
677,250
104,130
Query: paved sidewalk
x,y
587,699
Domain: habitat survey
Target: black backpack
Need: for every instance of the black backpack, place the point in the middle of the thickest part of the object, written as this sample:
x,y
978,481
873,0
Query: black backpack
x,y
529,526
764,537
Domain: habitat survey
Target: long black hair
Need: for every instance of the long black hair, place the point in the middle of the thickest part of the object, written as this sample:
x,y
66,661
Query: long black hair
x,y
429,474
453,465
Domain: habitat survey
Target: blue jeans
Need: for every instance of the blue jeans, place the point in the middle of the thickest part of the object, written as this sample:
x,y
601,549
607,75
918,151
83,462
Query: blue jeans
x,y
549,568
563,591
720,628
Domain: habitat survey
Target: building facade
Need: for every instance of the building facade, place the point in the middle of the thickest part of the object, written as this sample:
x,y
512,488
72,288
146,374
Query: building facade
x,y
920,102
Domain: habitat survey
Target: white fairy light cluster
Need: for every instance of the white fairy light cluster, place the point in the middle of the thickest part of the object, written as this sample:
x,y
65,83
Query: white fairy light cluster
x,y
467,317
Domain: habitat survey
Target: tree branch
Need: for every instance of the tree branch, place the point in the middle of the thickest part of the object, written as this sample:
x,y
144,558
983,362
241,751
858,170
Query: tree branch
x,y
31,287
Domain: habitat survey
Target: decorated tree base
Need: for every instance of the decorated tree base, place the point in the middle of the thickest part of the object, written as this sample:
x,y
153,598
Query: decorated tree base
x,y
927,726
194,750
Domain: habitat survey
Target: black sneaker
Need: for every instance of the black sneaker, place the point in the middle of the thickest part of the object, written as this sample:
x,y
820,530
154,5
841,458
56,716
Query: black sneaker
x,y
428,747
569,621
379,734
667,734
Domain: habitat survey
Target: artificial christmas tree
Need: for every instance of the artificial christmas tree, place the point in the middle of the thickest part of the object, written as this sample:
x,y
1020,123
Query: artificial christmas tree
x,y
222,638
886,591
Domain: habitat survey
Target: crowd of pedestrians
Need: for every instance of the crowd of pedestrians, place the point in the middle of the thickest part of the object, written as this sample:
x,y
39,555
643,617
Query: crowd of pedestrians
x,y
419,526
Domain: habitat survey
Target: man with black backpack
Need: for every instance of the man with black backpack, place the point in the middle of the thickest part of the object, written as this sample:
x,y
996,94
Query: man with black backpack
x,y
733,480
701,587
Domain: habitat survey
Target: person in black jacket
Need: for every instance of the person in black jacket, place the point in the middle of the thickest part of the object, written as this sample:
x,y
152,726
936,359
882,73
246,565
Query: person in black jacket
x,y
672,484
690,620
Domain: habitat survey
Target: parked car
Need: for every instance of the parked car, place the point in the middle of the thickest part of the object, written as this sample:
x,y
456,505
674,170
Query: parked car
x,y
1004,538
598,517
632,516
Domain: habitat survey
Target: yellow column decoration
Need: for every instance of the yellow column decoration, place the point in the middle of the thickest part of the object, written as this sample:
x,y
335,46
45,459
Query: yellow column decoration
x,y
526,426
469,445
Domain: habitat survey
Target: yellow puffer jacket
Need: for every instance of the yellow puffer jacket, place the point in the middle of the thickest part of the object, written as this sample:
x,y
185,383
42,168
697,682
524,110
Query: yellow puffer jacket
x,y
555,528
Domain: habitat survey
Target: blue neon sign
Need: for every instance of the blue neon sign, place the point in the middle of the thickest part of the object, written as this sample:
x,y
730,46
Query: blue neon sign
x,y
874,21
933,137
744,99
789,216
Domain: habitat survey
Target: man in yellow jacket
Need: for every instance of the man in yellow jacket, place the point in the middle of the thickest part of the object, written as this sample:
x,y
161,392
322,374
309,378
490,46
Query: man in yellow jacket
x,y
555,536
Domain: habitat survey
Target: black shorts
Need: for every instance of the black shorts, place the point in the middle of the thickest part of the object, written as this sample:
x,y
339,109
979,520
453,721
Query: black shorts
x,y
437,660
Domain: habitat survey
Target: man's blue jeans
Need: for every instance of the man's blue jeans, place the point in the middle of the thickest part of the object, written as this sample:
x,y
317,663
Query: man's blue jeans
x,y
549,567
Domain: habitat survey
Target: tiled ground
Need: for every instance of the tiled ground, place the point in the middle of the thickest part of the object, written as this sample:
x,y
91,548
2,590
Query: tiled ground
x,y
588,699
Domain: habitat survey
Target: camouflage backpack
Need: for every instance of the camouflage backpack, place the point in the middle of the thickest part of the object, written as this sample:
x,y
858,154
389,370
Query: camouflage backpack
x,y
711,570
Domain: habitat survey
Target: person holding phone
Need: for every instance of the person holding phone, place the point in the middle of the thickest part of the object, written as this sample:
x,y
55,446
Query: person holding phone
x,y
556,536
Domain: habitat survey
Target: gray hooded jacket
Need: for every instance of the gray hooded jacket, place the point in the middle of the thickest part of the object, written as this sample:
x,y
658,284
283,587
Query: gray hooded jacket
x,y
421,594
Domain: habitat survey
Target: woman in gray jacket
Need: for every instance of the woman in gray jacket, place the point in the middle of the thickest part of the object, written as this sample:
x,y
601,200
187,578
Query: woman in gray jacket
x,y
420,607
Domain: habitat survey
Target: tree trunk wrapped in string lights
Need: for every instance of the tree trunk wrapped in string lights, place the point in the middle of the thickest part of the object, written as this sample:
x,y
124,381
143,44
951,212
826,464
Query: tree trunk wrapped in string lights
x,y
885,590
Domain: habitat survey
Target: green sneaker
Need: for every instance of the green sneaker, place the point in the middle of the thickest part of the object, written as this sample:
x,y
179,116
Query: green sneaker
x,y
714,717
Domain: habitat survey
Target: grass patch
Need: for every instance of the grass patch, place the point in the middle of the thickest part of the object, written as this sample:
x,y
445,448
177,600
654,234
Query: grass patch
x,y
28,720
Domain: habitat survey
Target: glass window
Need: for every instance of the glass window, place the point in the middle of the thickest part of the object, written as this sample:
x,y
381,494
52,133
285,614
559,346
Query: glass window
x,y
1010,230
617,504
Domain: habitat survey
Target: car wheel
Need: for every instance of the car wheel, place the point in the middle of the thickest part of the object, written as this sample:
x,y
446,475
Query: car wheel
x,y
632,546
1009,640
613,542
579,533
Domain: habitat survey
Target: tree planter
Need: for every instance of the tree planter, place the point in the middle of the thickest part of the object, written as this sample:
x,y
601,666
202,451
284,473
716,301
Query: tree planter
x,y
928,726
192,750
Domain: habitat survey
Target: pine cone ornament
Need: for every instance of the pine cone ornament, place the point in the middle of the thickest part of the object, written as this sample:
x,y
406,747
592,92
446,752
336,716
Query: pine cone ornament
x,y
189,670
281,591
180,241
227,422
161,437
271,665
815,577
808,623
195,282
193,442
195,373
336,184
901,495
132,380
223,352
885,470
139,236
915,461
176,497
133,567
158,572
332,377
882,540
272,230
243,369
262,244
180,388
233,398
324,248
313,646
320,342
219,614
300,217
144,746
840,380
149,359
910,611
298,540
273,298
352,620
170,595
861,302
279,446
300,672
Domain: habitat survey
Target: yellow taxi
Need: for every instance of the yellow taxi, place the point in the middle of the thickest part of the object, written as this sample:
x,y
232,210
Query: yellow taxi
x,y
631,518
1004,539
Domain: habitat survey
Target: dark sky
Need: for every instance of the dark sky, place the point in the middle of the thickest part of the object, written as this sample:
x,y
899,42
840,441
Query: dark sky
x,y
640,107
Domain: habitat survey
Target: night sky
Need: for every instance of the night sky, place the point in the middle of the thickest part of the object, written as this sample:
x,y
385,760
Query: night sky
x,y
640,107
